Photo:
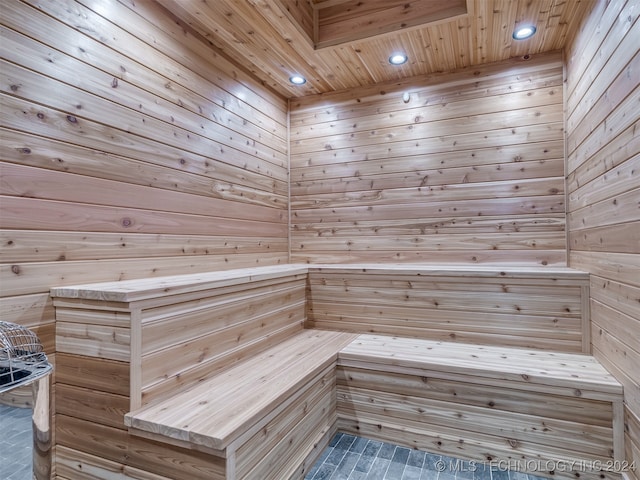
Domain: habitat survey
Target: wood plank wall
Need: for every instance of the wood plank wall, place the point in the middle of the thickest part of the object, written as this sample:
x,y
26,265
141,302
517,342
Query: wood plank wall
x,y
603,158
542,308
197,335
128,149
469,170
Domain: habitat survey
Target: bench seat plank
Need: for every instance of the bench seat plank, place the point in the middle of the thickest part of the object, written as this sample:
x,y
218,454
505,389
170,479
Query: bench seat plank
x,y
217,411
487,271
582,372
145,288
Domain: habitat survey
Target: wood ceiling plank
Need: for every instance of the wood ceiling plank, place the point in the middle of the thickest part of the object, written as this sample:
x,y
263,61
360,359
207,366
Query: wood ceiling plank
x,y
301,14
221,24
359,20
271,40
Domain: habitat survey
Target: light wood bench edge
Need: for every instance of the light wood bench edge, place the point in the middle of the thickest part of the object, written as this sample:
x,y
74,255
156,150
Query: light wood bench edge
x,y
146,288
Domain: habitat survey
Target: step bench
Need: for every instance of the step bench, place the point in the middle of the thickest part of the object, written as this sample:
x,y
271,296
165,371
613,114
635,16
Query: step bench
x,y
536,411
222,380
543,412
265,415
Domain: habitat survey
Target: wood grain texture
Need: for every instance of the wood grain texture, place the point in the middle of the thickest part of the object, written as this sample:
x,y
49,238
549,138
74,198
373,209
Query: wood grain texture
x,y
74,464
276,39
438,393
49,246
32,278
220,363
351,20
86,372
268,452
455,172
129,343
165,286
128,149
603,148
534,308
117,446
215,420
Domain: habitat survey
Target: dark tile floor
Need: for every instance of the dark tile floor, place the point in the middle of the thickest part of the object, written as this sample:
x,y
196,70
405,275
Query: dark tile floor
x,y
346,458
15,443
356,458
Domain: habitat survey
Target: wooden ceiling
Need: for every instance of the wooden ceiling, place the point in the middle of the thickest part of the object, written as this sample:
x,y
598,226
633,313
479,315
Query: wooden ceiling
x,y
274,39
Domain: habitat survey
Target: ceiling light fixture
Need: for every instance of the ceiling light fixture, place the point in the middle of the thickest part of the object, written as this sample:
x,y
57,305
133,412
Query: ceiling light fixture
x,y
398,59
297,79
522,33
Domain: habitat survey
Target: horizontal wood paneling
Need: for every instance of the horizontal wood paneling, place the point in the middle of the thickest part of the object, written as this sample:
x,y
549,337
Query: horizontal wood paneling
x,y
474,307
632,428
127,150
158,171
182,342
603,148
295,425
92,405
118,446
77,465
30,278
450,176
23,246
21,181
86,372
122,140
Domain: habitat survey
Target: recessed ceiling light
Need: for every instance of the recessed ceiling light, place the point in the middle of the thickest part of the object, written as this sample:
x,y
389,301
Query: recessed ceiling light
x,y
521,33
398,59
297,79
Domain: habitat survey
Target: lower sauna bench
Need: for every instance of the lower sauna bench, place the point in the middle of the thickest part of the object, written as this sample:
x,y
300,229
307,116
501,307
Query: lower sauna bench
x,y
533,410
269,416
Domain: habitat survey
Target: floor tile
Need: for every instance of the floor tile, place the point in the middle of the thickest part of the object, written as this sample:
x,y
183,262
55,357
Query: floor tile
x,y
395,470
386,451
378,469
324,472
358,445
348,463
416,459
411,473
15,443
367,456
356,458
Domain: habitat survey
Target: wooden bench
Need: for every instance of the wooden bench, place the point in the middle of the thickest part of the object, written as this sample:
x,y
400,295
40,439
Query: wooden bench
x,y
265,415
126,345
222,381
535,410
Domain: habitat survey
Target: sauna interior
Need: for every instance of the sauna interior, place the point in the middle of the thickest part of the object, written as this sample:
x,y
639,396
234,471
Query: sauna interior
x,y
226,268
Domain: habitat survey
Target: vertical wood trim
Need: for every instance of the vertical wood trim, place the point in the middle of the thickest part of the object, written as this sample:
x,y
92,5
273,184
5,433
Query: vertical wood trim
x,y
566,165
135,363
618,431
289,176
230,468
586,319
